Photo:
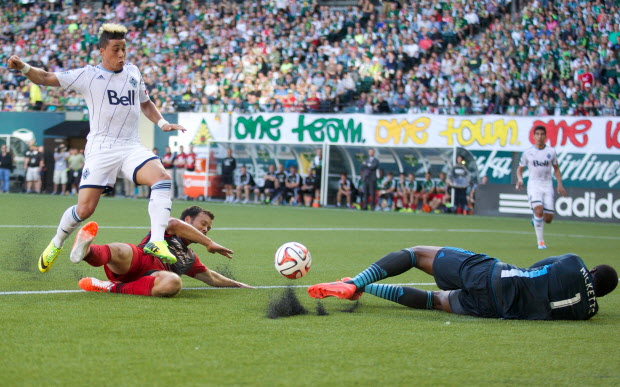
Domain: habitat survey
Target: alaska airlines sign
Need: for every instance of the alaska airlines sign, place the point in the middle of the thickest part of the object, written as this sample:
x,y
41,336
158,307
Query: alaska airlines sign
x,y
578,170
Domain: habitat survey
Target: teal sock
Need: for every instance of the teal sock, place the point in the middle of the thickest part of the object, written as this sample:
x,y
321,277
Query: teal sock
x,y
411,297
387,292
391,265
373,274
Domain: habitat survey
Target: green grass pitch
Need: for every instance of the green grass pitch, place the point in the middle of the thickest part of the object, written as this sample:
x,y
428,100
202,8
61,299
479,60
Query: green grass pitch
x,y
223,337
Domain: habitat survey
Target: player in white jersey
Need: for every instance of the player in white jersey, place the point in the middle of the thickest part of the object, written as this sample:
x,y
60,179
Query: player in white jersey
x,y
540,160
115,94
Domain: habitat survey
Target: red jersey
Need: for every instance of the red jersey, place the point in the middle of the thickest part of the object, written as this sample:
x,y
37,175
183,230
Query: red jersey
x,y
167,160
144,264
586,80
289,101
425,43
179,160
190,161
187,261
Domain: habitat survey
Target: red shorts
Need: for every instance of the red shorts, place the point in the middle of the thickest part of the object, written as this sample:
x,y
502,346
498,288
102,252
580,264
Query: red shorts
x,y
141,263
440,195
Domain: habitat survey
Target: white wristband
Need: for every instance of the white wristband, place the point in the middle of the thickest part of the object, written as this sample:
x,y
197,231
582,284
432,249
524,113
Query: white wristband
x,y
25,69
162,122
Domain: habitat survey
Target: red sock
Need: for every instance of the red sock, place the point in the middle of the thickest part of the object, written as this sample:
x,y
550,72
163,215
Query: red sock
x,y
98,255
141,287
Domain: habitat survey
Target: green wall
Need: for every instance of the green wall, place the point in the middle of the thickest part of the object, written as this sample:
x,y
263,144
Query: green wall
x,y
36,122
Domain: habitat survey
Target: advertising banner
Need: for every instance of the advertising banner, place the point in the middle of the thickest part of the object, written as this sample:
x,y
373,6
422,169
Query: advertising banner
x,y
580,204
596,171
588,148
203,128
595,135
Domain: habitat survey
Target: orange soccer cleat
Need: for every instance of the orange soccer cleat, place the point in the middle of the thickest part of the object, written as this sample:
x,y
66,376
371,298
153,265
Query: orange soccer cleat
x,y
356,295
83,239
338,289
91,284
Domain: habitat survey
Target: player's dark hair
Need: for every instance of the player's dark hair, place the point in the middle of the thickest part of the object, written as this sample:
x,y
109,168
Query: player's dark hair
x,y
194,211
540,127
604,279
110,31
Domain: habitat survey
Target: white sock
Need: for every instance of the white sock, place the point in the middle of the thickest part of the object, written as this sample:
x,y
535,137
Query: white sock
x,y
538,227
68,223
160,206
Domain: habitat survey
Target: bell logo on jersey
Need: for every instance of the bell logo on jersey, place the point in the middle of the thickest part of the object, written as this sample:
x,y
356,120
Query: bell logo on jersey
x,y
537,163
126,100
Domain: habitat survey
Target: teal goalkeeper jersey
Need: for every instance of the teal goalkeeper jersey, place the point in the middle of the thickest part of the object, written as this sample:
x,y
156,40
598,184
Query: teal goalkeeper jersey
x,y
556,288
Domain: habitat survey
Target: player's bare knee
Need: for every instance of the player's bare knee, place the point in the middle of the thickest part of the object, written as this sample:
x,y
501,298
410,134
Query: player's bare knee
x,y
425,256
425,252
167,284
85,211
441,301
121,251
172,286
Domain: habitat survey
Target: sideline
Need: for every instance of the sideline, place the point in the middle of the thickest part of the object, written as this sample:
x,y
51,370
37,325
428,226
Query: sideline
x,y
352,229
192,288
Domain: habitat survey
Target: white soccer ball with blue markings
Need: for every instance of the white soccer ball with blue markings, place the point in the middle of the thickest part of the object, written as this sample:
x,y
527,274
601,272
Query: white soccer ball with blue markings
x,y
293,260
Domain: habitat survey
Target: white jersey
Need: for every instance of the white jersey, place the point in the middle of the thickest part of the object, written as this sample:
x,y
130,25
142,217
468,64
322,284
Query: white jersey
x,y
113,100
540,164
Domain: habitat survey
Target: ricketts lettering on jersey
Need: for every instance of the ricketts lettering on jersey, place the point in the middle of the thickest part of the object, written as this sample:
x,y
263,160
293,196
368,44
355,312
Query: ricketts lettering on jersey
x,y
589,290
126,100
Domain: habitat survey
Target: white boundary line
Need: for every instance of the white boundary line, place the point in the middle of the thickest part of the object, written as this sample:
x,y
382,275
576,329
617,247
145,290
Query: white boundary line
x,y
330,229
193,288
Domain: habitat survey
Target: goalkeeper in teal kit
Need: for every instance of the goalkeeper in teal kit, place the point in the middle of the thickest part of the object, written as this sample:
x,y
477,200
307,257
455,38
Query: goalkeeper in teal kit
x,y
556,288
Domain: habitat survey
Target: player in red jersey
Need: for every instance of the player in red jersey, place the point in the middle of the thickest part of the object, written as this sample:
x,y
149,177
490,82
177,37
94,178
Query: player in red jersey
x,y
131,271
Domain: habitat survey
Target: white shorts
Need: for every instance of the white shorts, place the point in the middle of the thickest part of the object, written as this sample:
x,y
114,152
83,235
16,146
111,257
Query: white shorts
x,y
60,177
541,195
101,168
33,174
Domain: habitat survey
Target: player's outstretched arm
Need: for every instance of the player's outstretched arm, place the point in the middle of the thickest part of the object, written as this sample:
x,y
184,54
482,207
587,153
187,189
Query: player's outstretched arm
x,y
187,231
150,111
213,278
34,74
216,248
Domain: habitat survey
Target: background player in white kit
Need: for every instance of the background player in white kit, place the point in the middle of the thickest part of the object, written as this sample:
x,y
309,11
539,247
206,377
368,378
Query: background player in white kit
x,y
540,160
115,94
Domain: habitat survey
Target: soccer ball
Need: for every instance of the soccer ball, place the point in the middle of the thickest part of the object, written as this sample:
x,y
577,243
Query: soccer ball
x,y
293,260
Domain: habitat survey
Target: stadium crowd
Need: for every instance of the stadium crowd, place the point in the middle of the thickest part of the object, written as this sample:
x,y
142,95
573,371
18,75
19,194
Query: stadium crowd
x,y
467,57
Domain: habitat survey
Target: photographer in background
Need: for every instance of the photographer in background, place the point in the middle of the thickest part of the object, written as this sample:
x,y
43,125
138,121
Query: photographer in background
x,y
76,163
459,181
6,167
33,162
60,170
